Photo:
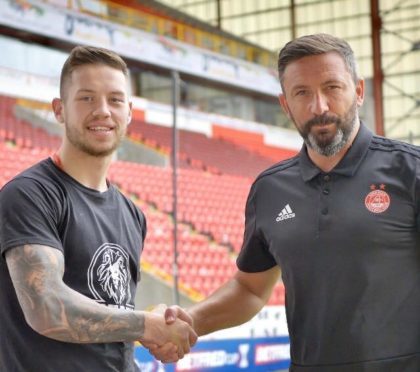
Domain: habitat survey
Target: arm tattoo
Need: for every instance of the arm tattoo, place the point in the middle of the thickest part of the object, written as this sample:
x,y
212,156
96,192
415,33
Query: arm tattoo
x,y
55,310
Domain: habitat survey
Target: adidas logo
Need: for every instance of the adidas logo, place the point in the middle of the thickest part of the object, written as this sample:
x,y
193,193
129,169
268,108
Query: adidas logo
x,y
285,214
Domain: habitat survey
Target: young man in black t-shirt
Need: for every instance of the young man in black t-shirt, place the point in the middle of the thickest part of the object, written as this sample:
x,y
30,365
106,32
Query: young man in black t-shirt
x,y
71,242
341,221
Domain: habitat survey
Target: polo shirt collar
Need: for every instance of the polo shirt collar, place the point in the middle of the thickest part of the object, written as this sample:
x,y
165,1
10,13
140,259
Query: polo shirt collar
x,y
350,162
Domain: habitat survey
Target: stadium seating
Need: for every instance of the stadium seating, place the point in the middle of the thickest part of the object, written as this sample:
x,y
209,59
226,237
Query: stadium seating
x,y
200,152
20,132
14,160
253,142
212,204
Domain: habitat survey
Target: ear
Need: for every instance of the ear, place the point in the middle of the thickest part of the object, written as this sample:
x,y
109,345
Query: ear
x,y
57,106
360,92
284,105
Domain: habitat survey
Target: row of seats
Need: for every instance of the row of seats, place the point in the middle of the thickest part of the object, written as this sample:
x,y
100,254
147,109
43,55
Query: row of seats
x,y
14,160
199,151
199,260
213,204
20,132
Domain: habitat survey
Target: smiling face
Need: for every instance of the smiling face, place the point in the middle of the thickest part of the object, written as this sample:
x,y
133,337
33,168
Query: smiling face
x,y
320,96
95,109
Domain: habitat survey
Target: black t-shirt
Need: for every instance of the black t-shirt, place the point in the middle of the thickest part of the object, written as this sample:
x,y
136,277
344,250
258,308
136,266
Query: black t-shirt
x,y
348,245
101,236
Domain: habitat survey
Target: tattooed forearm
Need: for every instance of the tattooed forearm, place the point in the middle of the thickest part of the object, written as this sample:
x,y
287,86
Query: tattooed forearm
x,y
55,310
90,324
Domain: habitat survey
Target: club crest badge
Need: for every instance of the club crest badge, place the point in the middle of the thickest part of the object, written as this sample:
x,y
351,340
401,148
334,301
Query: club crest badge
x,y
378,200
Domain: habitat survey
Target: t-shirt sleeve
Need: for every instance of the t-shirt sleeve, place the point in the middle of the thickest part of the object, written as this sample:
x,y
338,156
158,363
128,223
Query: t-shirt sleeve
x,y
143,224
29,214
140,217
254,255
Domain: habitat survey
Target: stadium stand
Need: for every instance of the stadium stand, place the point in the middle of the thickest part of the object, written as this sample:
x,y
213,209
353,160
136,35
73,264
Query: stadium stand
x,y
22,133
252,142
212,204
14,160
201,152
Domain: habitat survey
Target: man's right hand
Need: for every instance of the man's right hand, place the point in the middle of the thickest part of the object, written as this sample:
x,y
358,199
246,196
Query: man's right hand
x,y
168,353
170,336
175,312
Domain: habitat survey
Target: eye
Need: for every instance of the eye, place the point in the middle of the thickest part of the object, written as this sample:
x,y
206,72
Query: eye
x,y
301,92
86,98
333,87
117,100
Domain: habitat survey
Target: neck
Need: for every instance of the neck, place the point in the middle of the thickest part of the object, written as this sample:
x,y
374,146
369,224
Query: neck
x,y
327,163
88,170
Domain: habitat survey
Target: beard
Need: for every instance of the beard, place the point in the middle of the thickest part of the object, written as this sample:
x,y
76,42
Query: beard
x,y
325,143
75,137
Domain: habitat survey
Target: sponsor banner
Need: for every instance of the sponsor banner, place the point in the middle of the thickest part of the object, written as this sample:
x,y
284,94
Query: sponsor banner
x,y
258,354
60,23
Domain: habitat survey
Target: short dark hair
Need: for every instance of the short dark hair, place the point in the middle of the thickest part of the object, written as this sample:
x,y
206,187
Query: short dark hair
x,y
310,45
85,55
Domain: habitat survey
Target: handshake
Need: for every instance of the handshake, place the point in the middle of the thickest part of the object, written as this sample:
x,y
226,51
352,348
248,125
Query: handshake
x,y
168,333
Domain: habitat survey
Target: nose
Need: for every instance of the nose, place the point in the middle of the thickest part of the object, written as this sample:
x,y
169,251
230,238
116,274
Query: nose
x,y
319,104
102,109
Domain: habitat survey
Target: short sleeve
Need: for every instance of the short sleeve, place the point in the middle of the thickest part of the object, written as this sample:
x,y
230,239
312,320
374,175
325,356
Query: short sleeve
x,y
29,214
143,223
139,215
254,255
